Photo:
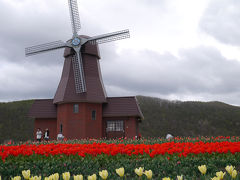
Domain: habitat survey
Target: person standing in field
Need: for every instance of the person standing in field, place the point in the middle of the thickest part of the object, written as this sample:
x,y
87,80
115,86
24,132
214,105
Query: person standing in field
x,y
169,136
39,135
60,136
46,135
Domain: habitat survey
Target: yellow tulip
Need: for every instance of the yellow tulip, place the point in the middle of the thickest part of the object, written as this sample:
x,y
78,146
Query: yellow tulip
x,y
103,174
26,174
166,178
51,177
229,169
16,178
180,177
234,174
66,176
139,171
92,177
0,178
78,177
54,176
215,178
148,174
202,169
220,174
120,171
46,178
36,178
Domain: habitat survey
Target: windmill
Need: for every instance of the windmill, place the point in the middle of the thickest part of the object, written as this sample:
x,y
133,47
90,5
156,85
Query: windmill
x,y
76,43
80,107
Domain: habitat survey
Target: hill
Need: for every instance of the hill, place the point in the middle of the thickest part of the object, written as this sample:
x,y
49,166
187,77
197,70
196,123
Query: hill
x,y
188,118
14,123
161,117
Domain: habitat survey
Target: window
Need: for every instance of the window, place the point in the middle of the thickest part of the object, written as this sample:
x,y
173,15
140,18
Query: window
x,y
75,108
110,125
94,115
119,125
114,125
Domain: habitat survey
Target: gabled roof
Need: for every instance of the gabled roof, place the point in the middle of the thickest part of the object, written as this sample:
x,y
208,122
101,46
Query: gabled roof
x,y
43,108
114,107
122,106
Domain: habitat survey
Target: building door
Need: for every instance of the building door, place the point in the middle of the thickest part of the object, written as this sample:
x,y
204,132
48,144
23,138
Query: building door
x,y
115,129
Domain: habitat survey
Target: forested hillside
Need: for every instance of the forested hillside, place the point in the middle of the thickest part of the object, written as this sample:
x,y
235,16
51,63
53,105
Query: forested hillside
x,y
188,118
14,123
161,117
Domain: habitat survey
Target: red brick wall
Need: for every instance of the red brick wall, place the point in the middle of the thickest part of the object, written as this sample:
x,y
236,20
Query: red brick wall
x,y
93,127
131,127
80,125
46,123
72,123
113,119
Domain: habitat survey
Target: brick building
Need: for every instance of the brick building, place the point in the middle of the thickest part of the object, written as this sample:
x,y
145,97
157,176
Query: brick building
x,y
90,114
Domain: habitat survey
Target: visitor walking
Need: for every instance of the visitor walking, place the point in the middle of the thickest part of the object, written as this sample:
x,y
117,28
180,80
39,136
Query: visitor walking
x,y
39,135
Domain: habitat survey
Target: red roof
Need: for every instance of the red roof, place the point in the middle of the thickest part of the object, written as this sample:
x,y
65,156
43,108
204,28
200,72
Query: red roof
x,y
115,107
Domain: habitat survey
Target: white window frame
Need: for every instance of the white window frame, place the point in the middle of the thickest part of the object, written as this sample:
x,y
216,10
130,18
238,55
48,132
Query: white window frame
x,y
115,126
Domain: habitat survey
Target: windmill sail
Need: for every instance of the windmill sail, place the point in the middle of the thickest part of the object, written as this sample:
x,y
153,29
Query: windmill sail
x,y
114,36
79,78
76,44
74,15
44,47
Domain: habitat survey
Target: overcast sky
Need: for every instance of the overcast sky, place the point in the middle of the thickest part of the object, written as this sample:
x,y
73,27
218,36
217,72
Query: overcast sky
x,y
178,50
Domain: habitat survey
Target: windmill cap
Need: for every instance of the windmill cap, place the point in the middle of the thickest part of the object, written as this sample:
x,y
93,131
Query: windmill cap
x,y
87,48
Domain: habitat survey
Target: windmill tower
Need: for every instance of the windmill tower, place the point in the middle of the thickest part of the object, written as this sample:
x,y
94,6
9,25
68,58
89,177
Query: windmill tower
x,y
81,85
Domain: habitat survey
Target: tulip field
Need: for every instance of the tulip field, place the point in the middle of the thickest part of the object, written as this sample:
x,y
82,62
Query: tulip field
x,y
178,158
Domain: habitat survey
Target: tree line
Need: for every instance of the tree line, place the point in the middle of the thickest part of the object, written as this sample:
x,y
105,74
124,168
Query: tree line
x,y
161,117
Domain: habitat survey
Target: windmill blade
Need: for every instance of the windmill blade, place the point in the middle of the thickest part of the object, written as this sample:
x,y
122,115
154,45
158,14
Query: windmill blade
x,y
74,15
44,47
110,37
80,84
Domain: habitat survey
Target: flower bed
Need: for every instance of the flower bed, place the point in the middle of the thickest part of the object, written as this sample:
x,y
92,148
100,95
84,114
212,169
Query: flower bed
x,y
164,159
140,172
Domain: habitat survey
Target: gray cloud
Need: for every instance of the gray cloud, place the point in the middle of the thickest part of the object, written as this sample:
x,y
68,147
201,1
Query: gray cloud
x,y
221,20
27,81
201,72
